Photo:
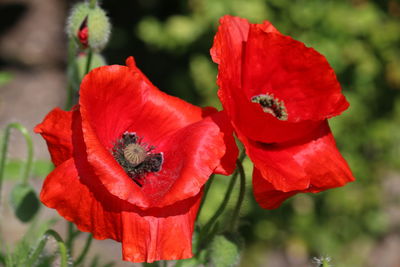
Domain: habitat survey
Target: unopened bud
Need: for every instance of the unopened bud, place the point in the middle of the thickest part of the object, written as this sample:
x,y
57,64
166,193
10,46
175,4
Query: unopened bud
x,y
25,202
89,26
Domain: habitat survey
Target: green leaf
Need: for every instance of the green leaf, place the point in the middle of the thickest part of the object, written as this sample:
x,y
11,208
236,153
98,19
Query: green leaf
x,y
225,250
25,202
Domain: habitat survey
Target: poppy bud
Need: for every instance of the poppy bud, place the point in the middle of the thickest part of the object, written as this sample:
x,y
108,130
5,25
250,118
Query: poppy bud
x,y
89,26
25,202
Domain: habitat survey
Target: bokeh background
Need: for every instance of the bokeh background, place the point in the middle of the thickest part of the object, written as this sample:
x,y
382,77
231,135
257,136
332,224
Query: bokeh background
x,y
358,225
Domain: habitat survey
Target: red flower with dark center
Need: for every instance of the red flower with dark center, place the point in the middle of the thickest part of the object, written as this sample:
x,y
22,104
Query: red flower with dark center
x,y
279,94
131,162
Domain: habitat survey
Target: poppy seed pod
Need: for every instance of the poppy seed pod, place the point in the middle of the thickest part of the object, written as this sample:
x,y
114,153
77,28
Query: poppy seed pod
x,y
89,26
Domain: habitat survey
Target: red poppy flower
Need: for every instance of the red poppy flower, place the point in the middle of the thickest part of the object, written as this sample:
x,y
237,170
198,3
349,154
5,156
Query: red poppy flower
x,y
131,162
279,94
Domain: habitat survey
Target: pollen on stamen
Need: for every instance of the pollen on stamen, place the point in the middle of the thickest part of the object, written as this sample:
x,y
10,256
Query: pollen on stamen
x,y
271,105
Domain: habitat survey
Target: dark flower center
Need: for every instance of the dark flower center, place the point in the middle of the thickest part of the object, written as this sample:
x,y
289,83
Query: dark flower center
x,y
136,157
271,105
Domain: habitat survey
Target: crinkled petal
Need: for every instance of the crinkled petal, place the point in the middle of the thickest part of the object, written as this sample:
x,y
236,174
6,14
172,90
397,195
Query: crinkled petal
x,y
190,156
301,165
115,99
295,74
89,153
56,130
266,195
228,161
156,234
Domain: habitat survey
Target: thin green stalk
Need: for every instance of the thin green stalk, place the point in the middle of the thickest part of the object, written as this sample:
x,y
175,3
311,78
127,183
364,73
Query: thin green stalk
x,y
72,234
72,70
4,148
242,191
85,250
61,248
206,189
89,61
205,232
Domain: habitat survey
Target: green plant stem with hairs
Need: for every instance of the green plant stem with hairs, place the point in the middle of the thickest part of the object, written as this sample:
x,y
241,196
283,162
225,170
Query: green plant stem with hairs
x,y
209,228
62,249
4,148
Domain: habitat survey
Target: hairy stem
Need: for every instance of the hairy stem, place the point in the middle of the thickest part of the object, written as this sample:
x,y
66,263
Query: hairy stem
x,y
62,249
85,250
242,191
4,148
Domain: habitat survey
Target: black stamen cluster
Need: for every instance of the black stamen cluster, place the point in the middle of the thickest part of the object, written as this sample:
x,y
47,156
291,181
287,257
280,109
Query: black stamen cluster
x,y
152,162
271,105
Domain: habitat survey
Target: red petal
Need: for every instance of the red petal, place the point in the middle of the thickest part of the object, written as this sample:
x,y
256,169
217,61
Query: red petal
x,y
115,99
231,36
297,75
156,234
56,130
228,161
265,193
103,166
301,165
191,154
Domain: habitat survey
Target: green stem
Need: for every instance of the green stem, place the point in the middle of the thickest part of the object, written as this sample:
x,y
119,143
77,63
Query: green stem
x,y
205,232
72,70
89,61
242,191
4,148
61,248
72,233
85,250
206,189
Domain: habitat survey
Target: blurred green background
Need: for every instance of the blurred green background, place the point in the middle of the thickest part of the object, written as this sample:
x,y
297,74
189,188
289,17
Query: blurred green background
x,y
358,225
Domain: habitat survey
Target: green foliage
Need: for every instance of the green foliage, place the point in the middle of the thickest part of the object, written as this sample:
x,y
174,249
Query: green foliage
x,y
23,249
14,167
224,251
